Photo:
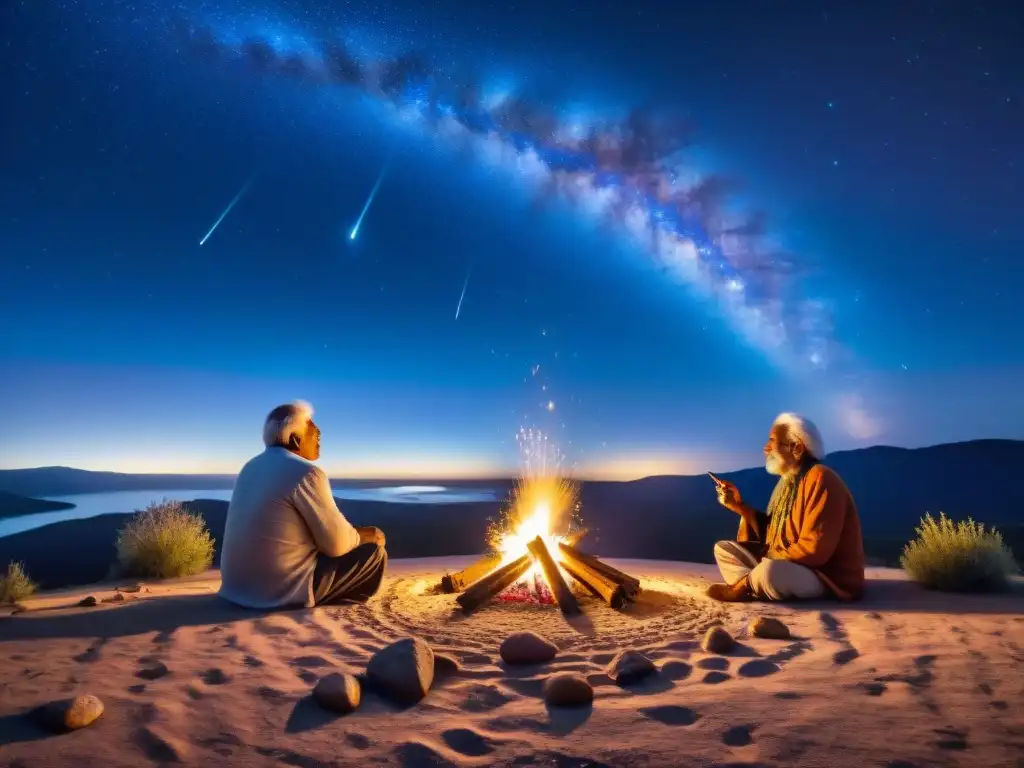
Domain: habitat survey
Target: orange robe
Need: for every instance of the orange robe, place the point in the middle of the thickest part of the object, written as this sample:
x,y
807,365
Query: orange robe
x,y
822,533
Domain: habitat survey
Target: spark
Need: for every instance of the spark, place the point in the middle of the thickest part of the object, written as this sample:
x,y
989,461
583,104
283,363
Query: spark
x,y
463,295
232,204
369,200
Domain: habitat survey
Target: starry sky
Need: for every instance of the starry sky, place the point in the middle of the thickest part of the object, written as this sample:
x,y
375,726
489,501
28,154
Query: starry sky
x,y
643,228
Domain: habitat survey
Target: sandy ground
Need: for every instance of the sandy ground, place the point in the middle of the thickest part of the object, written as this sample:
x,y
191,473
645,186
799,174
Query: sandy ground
x,y
904,678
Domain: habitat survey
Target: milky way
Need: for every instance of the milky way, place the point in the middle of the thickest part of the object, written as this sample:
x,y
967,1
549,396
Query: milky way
x,y
631,171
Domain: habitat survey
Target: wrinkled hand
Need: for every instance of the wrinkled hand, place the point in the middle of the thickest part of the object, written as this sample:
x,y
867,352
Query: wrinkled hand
x,y
729,496
369,534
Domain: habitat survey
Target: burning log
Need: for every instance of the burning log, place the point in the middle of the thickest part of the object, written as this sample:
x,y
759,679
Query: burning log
x,y
456,582
486,589
563,595
609,590
629,584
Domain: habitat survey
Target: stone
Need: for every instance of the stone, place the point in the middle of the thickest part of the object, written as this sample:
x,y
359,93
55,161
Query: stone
x,y
70,714
768,628
568,689
527,648
444,666
117,597
403,671
717,640
338,692
88,602
630,667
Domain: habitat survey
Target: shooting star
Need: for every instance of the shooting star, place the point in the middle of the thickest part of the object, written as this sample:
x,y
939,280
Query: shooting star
x,y
463,295
227,210
369,200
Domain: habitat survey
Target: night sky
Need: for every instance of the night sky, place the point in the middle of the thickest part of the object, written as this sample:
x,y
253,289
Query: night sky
x,y
676,220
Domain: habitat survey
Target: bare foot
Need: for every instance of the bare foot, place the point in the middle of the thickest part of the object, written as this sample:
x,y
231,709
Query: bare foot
x,y
729,593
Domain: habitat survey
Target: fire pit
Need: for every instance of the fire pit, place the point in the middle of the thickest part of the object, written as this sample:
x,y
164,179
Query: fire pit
x,y
529,562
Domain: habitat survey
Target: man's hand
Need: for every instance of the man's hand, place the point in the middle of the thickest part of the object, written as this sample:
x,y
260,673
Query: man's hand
x,y
369,534
729,496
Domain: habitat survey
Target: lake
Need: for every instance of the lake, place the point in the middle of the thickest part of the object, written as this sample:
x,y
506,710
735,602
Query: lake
x,y
126,502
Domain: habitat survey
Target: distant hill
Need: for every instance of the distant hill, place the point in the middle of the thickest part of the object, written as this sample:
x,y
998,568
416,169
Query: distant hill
x,y
12,505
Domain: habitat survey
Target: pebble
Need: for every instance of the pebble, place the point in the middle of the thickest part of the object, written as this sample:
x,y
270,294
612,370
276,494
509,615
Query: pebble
x,y
629,667
768,628
718,640
567,689
527,648
338,692
88,602
70,714
404,670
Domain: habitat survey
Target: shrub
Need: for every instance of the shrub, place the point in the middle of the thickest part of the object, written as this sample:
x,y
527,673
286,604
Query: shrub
x,y
958,556
15,585
164,541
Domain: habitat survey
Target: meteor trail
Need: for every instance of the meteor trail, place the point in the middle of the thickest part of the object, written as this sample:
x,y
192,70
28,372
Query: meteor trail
x,y
227,210
373,193
464,286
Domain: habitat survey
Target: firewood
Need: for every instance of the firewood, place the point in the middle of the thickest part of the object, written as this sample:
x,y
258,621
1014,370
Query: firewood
x,y
563,595
490,586
600,584
629,583
456,582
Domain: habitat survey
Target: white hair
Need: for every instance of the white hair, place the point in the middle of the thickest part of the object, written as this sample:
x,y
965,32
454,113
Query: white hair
x,y
803,430
285,420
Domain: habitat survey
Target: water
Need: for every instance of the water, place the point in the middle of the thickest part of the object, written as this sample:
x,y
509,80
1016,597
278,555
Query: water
x,y
126,502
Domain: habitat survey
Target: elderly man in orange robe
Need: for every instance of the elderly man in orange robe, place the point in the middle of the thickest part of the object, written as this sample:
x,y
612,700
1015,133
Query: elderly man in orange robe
x,y
808,543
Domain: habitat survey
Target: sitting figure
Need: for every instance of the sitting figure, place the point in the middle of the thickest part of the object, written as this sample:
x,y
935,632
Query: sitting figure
x,y
285,542
808,544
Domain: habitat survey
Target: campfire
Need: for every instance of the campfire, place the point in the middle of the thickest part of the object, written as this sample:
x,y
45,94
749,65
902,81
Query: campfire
x,y
529,556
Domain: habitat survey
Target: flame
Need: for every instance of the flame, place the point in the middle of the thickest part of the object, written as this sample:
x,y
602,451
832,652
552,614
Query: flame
x,y
540,506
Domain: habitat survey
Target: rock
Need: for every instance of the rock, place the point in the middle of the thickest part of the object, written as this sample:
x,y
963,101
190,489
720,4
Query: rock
x,y
338,692
88,602
444,666
70,714
527,648
130,588
403,670
718,640
768,628
117,597
567,689
629,667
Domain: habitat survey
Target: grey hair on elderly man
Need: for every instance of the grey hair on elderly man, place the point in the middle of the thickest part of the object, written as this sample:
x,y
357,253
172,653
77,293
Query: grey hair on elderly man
x,y
286,543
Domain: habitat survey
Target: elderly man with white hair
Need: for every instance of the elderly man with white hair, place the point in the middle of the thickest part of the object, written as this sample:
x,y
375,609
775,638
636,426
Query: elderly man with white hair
x,y
286,543
808,543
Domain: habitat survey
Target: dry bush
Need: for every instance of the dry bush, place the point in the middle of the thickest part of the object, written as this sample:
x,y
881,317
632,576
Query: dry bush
x,y
165,541
15,585
958,556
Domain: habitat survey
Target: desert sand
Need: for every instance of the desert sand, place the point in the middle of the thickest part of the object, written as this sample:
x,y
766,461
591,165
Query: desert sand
x,y
903,678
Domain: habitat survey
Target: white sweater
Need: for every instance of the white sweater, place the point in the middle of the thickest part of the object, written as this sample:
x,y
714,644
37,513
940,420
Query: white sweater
x,y
282,514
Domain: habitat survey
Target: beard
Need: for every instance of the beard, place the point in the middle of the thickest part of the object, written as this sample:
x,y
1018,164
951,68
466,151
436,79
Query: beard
x,y
774,465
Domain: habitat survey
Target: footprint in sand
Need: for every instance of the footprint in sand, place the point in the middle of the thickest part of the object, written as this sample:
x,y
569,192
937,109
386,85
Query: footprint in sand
x,y
413,753
758,668
252,661
215,676
154,671
357,741
873,689
671,715
714,678
484,698
675,670
845,656
310,661
739,735
92,653
717,663
951,738
467,742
